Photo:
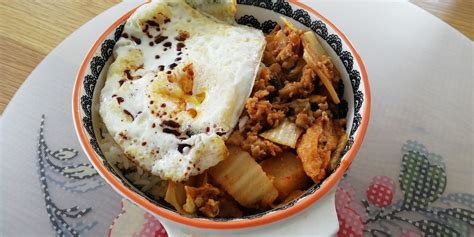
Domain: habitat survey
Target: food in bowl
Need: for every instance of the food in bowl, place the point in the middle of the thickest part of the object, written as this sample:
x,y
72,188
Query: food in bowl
x,y
218,119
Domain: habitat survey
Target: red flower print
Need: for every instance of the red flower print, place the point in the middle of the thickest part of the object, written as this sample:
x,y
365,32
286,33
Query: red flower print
x,y
350,212
381,190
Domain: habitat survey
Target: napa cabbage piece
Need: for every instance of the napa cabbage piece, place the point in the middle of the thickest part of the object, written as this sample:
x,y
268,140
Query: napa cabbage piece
x,y
287,133
176,196
189,206
314,55
243,178
288,24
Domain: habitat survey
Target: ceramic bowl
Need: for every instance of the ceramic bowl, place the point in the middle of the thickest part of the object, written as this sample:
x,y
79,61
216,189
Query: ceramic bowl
x,y
260,14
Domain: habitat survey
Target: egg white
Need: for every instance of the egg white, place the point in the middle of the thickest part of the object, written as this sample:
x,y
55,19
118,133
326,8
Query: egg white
x,y
144,96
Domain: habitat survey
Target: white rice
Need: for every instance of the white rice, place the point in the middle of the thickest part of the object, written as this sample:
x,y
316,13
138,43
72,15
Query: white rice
x,y
143,180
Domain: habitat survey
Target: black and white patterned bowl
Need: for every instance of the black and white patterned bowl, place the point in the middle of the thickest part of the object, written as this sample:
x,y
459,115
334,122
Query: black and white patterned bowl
x,y
261,14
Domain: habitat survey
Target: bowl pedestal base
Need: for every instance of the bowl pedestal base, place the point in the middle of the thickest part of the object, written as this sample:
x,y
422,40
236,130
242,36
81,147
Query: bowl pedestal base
x,y
319,219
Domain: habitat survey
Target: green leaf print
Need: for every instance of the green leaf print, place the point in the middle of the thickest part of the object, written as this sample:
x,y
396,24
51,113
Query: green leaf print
x,y
420,181
460,214
434,228
461,227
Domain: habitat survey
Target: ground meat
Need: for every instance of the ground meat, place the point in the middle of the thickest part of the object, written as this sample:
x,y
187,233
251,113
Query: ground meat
x,y
255,128
228,207
260,148
304,120
295,73
258,110
275,68
283,47
323,106
201,194
301,109
235,139
212,202
268,58
327,67
285,53
300,105
210,208
263,112
275,118
263,82
301,88
317,113
287,57
317,99
203,198
261,94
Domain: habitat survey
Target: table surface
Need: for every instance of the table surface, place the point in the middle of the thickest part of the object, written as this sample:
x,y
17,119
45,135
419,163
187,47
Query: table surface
x,y
23,43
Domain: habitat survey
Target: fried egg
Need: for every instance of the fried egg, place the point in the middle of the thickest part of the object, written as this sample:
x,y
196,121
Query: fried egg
x,y
177,85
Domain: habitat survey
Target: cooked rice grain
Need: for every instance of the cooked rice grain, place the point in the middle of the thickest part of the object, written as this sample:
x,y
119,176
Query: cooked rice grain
x,y
144,181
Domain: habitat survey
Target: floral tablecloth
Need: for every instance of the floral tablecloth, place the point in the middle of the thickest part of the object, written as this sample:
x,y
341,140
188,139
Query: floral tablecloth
x,y
412,177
